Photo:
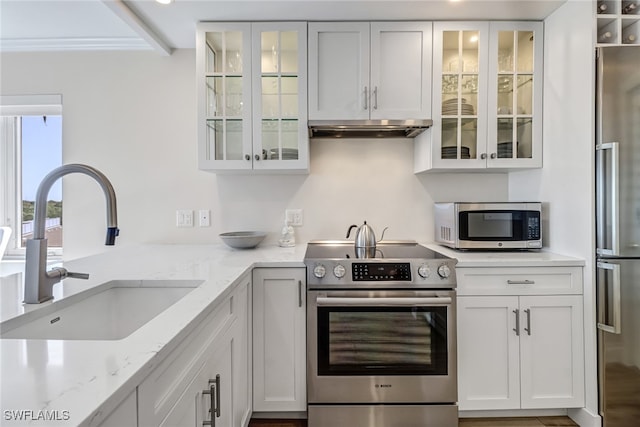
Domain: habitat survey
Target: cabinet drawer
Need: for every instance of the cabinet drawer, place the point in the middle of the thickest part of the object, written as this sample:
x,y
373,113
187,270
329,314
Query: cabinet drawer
x,y
519,281
158,393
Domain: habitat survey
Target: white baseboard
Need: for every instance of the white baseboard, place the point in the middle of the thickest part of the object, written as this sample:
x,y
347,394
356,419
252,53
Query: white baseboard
x,y
513,413
585,418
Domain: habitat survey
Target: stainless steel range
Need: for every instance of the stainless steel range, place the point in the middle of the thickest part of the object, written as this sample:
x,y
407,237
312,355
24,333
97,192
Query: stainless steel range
x,y
381,336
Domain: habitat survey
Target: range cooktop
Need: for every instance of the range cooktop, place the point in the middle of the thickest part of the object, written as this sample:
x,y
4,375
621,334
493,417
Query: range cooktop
x,y
391,264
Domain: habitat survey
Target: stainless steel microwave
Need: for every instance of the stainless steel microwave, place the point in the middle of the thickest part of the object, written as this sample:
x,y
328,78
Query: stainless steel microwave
x,y
461,225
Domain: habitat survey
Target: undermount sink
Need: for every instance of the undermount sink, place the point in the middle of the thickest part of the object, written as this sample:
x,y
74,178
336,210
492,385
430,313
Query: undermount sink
x,y
111,311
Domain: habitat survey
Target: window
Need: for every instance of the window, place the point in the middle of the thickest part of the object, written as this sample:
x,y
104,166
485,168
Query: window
x,y
31,146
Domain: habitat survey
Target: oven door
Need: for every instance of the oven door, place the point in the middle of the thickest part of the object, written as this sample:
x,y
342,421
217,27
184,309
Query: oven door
x,y
381,346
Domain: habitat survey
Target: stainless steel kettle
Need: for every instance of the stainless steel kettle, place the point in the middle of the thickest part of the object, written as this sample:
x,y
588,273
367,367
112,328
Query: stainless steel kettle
x,y
365,237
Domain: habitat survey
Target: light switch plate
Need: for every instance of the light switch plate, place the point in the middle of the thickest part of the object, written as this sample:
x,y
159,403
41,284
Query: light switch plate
x,y
294,217
184,218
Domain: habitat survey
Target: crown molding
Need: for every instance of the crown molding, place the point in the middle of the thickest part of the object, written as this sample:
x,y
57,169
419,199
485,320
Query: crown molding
x,y
73,44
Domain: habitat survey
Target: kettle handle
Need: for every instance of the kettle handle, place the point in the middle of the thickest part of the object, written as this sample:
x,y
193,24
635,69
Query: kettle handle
x,y
349,230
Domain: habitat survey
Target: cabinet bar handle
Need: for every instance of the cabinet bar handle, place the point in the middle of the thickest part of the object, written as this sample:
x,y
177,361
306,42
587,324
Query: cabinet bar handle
x,y
366,100
375,98
213,398
217,396
299,293
520,282
528,328
517,328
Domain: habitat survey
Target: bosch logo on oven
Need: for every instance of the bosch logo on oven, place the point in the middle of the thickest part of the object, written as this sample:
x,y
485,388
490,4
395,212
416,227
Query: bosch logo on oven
x,y
383,385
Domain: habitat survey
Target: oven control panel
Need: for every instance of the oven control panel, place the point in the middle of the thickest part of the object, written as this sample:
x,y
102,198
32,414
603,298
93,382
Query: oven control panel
x,y
381,271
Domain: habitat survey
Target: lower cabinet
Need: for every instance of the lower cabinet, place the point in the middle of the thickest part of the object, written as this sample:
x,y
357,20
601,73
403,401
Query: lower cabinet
x,y
279,340
207,379
521,350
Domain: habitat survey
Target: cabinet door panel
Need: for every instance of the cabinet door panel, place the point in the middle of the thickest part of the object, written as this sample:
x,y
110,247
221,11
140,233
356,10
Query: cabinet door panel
x,y
488,355
400,70
279,342
339,70
460,51
515,95
552,353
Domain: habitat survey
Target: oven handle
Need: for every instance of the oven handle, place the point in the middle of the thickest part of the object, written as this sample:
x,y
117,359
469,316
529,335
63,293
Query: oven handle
x,y
390,301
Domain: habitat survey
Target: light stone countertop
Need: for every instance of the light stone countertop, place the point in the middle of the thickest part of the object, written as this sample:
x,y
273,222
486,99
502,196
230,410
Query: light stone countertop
x,y
90,378
532,258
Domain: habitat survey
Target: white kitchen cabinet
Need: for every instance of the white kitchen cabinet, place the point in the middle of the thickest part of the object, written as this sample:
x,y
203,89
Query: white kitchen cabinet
x,y
212,359
125,415
377,70
487,97
252,96
279,340
516,349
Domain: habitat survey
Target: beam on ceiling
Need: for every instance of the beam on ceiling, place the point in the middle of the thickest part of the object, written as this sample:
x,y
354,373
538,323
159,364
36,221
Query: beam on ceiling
x,y
139,26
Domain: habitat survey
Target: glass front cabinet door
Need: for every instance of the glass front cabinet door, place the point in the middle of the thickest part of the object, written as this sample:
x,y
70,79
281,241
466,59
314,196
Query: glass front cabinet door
x,y
515,95
460,94
280,138
251,96
487,96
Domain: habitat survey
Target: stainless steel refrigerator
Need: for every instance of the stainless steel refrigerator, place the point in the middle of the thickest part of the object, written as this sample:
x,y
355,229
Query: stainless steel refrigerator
x,y
618,233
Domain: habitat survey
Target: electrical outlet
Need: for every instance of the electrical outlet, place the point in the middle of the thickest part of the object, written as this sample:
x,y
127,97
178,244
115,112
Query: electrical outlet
x,y
184,218
204,218
294,217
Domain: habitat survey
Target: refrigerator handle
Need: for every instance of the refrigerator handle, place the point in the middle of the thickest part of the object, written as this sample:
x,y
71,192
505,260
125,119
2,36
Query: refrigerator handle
x,y
607,208
602,296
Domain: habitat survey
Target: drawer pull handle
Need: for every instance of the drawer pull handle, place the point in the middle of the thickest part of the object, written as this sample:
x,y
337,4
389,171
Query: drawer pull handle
x,y
517,328
528,328
299,293
520,282
214,398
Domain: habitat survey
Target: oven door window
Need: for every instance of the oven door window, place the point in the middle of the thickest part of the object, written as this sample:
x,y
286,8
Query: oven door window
x,y
382,341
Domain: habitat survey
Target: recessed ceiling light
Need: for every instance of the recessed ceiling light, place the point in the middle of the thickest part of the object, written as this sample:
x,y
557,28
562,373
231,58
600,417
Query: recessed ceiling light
x,y
164,1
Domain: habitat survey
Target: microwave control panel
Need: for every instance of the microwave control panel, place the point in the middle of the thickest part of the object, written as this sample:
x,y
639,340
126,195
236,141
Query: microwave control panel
x,y
533,227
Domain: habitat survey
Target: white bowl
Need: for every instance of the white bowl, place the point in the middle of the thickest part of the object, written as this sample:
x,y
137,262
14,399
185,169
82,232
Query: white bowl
x,y
243,239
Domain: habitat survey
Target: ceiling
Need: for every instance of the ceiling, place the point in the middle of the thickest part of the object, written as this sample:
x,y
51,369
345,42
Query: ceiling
x,y
38,25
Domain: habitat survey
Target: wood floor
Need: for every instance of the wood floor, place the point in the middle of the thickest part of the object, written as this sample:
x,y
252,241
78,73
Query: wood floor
x,y
464,422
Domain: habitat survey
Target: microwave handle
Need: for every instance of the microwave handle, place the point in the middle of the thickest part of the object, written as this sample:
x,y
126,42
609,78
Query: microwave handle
x,y
390,301
607,183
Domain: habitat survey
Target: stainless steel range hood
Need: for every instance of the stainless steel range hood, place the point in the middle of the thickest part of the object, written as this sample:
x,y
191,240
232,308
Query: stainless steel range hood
x,y
367,128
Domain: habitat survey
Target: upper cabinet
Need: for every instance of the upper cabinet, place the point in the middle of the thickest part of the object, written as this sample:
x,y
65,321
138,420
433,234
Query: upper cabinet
x,y
361,70
252,96
487,101
617,22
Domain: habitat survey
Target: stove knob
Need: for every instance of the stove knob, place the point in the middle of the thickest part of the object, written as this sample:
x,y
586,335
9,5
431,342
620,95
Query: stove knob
x,y
444,271
319,271
424,271
339,271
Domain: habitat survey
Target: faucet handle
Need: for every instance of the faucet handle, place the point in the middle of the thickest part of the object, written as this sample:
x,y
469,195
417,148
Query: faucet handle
x,y
74,275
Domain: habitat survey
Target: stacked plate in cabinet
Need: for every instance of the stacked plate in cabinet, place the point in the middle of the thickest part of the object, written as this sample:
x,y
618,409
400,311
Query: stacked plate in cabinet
x,y
287,154
450,107
505,149
452,152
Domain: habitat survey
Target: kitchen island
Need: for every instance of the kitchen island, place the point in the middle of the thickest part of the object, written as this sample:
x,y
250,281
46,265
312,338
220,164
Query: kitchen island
x,y
81,382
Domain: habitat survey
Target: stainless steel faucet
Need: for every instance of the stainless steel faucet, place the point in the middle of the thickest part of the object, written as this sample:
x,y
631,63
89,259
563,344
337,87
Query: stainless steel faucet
x,y
38,285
